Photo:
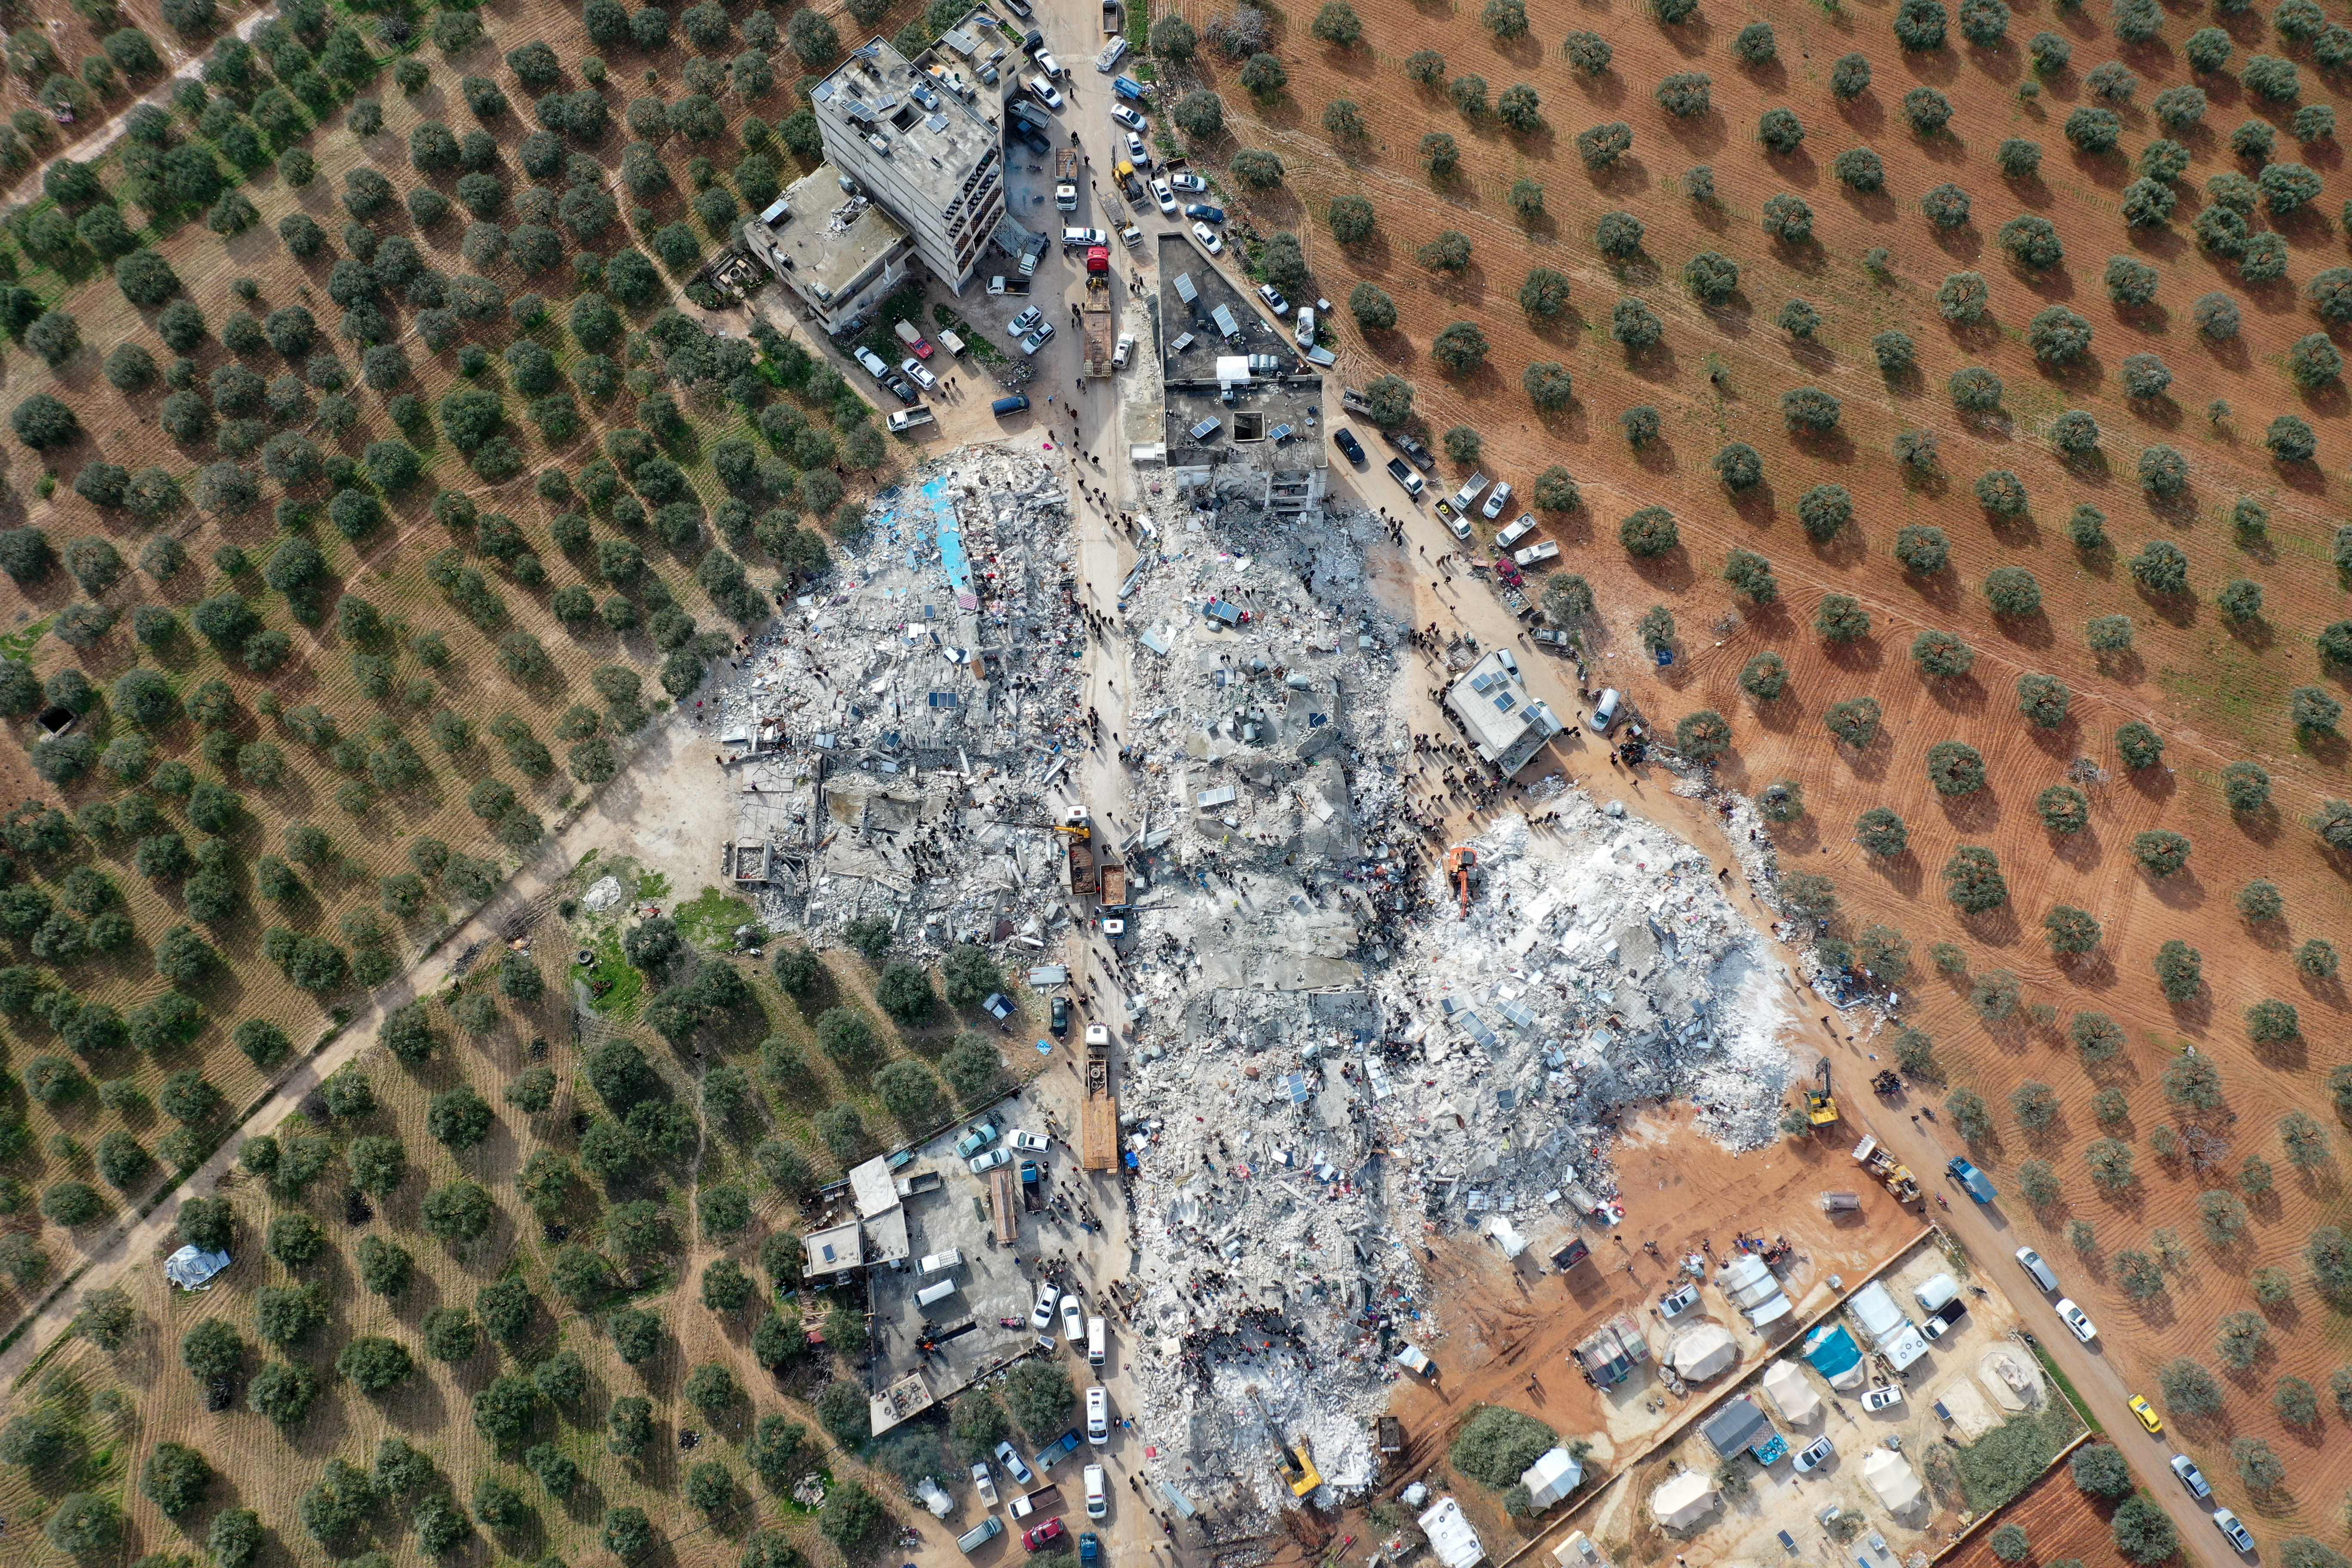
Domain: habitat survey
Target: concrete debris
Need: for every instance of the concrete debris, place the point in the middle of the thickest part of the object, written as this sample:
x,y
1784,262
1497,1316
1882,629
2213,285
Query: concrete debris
x,y
896,735
1330,1057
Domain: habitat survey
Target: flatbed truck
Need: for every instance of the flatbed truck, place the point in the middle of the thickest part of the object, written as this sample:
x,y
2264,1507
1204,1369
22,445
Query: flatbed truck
x,y
1094,314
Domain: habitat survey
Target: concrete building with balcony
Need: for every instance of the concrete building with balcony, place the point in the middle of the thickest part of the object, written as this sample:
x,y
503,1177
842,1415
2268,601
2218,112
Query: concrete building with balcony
x,y
924,142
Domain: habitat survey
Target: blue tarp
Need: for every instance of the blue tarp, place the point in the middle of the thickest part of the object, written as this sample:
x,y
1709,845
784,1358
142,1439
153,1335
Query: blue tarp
x,y
950,528
1831,1351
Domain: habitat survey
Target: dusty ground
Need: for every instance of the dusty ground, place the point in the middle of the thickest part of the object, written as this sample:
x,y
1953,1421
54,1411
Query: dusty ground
x,y
1515,1325
2216,692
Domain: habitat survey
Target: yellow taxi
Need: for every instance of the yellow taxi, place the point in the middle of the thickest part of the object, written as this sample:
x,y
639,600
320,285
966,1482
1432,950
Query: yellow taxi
x,y
2146,1414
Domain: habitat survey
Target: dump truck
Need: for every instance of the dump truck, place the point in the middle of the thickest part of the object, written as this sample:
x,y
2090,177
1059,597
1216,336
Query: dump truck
x,y
1078,851
1065,179
1094,314
1098,1116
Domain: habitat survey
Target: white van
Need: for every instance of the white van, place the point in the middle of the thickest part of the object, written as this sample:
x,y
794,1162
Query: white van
x,y
939,1262
938,1292
1604,711
1097,1332
1097,1493
1098,1416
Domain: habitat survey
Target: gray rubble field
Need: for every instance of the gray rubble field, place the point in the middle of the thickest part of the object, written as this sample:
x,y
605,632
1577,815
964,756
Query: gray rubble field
x,y
1326,1061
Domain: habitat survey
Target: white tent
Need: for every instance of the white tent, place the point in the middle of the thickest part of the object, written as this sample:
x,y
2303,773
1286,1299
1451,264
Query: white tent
x,y
1890,1475
191,1268
1791,1394
1683,1501
1702,1351
1551,1477
1451,1536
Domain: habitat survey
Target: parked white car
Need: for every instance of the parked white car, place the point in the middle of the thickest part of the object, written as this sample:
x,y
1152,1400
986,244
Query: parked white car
x,y
921,372
1015,1465
1138,152
1045,92
1885,1396
1041,1317
1127,118
1814,1454
1208,238
1496,500
1074,1320
1165,197
2076,1320
1029,1142
983,1164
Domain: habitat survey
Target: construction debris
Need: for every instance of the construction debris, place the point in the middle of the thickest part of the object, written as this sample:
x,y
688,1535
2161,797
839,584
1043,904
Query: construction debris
x,y
896,737
1346,1036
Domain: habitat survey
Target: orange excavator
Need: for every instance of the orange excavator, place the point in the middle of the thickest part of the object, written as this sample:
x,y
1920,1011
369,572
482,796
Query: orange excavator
x,y
1460,861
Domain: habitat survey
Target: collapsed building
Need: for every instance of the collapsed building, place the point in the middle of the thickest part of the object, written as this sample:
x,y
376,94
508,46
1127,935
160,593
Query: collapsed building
x,y
1335,1047
894,735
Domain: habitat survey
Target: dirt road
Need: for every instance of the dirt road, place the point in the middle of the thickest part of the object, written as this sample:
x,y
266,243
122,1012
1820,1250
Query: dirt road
x,y
654,812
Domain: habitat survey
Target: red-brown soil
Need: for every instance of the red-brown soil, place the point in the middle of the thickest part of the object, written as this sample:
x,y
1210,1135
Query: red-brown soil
x,y
2217,694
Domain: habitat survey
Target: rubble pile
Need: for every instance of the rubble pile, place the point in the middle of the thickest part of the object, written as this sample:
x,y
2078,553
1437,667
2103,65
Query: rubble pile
x,y
1330,1056
896,735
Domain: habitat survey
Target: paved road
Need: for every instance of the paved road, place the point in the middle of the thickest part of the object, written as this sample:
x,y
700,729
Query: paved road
x,y
1987,1233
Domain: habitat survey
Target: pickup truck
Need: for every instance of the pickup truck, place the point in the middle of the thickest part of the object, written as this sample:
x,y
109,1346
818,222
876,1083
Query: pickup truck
x,y
1469,491
1972,1181
1403,475
904,419
1045,1496
1054,1452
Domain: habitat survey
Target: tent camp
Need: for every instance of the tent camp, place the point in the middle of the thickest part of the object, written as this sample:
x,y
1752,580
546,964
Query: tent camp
x,y
1789,1393
192,1269
1682,1502
1890,1475
1702,1351
1551,1477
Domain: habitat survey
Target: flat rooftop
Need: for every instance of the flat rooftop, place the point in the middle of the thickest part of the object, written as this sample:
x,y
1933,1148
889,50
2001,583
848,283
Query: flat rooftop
x,y
1506,723
920,114
827,239
1193,293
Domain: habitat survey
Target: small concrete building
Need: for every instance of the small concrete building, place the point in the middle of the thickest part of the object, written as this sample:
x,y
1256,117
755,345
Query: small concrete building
x,y
840,254
836,1250
1506,725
